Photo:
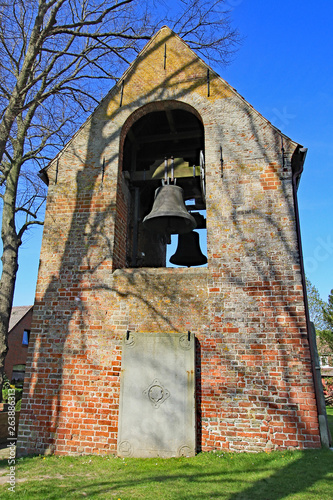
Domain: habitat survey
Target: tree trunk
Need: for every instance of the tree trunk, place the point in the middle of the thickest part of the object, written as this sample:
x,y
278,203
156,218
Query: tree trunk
x,y
9,258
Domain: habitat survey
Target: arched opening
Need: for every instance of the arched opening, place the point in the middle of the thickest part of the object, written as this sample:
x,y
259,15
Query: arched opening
x,y
164,146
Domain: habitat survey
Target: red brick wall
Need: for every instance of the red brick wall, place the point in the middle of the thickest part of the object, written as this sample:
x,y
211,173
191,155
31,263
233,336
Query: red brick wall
x,y
254,382
17,353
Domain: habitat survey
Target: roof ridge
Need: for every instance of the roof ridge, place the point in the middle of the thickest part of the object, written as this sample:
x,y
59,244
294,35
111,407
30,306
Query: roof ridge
x,y
16,318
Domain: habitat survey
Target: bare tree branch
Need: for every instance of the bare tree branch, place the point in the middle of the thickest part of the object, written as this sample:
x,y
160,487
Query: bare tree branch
x,y
27,225
50,52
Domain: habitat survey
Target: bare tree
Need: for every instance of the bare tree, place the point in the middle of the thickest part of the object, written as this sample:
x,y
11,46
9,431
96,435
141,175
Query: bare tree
x,y
57,59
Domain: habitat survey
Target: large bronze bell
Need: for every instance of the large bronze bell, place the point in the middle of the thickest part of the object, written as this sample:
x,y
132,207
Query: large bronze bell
x,y
188,251
169,214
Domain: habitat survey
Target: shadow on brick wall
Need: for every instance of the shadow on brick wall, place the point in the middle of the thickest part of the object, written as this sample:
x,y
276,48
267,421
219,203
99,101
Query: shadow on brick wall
x,y
252,349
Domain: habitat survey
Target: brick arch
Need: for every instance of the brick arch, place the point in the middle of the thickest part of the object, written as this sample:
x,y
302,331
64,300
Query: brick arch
x,y
150,108
119,258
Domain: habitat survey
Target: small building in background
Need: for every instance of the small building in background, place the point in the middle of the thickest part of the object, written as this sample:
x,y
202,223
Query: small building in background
x,y
18,340
326,358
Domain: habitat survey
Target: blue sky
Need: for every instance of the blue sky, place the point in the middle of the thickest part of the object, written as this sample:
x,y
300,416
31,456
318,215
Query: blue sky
x,y
284,68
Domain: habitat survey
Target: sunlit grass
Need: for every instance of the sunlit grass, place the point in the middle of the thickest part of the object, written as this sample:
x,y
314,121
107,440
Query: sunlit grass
x,y
330,419
270,476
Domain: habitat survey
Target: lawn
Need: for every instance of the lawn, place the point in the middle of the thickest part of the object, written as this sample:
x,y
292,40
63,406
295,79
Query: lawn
x,y
329,411
268,476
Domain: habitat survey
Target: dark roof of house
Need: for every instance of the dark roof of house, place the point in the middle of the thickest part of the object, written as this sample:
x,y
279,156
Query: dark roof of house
x,y
17,314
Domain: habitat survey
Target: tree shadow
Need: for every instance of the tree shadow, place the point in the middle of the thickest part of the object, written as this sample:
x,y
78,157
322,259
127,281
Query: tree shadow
x,y
290,480
264,479
86,300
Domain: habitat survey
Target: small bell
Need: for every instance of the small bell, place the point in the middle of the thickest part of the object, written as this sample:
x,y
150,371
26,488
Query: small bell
x,y
169,214
188,251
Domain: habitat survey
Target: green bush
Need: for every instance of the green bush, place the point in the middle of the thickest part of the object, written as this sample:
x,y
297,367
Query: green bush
x,y
5,387
18,391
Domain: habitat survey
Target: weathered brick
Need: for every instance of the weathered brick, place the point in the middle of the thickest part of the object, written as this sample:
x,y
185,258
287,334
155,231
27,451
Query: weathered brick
x,y
246,308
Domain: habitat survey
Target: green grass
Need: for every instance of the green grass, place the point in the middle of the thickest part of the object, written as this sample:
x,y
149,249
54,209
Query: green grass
x,y
268,476
329,410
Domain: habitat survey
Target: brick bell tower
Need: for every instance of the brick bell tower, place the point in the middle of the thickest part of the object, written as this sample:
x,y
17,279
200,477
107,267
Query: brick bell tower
x,y
130,356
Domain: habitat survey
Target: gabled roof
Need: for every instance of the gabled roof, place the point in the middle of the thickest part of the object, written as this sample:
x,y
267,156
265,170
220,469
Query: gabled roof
x,y
142,71
17,315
